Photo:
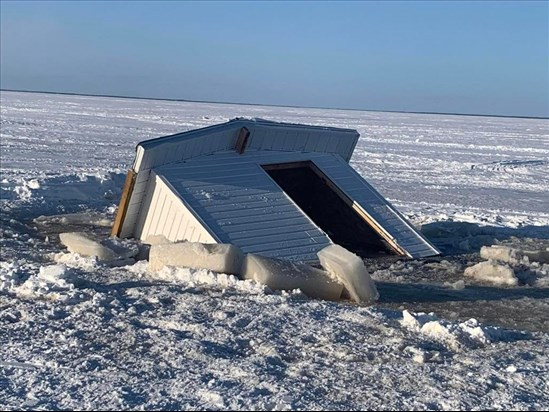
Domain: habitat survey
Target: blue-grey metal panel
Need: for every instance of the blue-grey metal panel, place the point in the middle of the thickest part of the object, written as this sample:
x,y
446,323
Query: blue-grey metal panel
x,y
242,205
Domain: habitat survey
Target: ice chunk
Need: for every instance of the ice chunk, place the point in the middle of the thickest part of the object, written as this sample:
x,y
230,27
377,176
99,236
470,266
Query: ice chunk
x,y
157,240
492,272
511,255
223,258
123,248
349,269
78,242
54,282
145,247
284,275
501,253
107,250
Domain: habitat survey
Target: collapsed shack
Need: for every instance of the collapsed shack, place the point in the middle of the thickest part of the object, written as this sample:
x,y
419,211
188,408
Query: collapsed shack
x,y
277,190
260,200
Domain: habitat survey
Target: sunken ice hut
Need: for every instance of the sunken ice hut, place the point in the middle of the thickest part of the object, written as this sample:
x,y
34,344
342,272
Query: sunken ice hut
x,y
275,189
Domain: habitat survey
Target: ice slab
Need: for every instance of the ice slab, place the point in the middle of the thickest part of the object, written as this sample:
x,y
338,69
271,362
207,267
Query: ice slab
x,y
349,269
285,275
87,218
501,253
492,272
157,240
219,257
514,255
145,247
78,242
106,250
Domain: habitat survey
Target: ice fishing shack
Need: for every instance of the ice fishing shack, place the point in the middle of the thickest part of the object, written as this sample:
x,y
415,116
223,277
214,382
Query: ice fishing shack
x,y
275,189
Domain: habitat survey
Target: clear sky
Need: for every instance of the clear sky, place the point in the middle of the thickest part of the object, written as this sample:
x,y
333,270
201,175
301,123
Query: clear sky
x,y
462,57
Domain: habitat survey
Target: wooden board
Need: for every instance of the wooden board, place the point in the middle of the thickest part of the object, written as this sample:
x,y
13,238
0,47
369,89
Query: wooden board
x,y
124,203
242,140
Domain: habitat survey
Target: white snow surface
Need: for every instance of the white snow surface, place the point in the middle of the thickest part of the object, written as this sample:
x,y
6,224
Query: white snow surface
x,y
77,333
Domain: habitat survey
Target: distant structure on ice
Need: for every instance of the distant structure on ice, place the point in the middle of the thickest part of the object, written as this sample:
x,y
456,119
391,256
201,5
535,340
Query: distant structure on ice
x,y
275,189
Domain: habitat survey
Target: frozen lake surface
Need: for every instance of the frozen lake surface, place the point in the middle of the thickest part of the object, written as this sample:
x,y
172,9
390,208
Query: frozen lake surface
x,y
80,334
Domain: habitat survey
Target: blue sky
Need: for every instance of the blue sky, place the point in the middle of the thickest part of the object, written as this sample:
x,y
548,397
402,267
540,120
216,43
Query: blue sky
x,y
462,57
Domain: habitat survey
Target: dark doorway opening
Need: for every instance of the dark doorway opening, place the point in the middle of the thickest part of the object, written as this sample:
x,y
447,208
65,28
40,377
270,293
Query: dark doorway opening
x,y
314,193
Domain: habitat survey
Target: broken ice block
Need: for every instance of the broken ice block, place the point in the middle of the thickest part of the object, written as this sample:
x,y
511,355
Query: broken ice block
x,y
350,270
492,272
78,242
157,240
285,275
106,250
219,257
501,253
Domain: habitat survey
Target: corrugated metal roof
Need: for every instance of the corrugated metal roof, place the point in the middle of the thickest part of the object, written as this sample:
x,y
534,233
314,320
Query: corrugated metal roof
x,y
242,205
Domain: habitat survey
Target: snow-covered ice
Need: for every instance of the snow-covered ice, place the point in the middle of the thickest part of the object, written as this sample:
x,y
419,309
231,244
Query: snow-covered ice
x,y
76,333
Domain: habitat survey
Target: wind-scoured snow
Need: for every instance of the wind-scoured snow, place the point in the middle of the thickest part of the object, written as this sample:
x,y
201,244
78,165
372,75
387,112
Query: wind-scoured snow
x,y
77,332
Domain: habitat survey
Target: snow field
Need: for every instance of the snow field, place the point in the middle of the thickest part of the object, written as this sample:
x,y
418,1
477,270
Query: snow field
x,y
86,334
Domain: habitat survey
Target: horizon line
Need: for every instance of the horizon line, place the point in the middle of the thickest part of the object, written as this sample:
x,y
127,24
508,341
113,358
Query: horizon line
x,y
270,105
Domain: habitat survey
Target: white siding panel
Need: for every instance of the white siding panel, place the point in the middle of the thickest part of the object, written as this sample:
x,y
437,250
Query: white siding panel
x,y
255,140
300,141
147,211
322,144
296,221
167,215
264,231
312,142
128,225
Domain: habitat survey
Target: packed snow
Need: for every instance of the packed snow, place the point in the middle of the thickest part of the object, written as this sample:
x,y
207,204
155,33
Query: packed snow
x,y
79,332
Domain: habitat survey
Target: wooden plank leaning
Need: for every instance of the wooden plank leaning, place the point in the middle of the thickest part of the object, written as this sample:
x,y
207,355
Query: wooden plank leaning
x,y
124,203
